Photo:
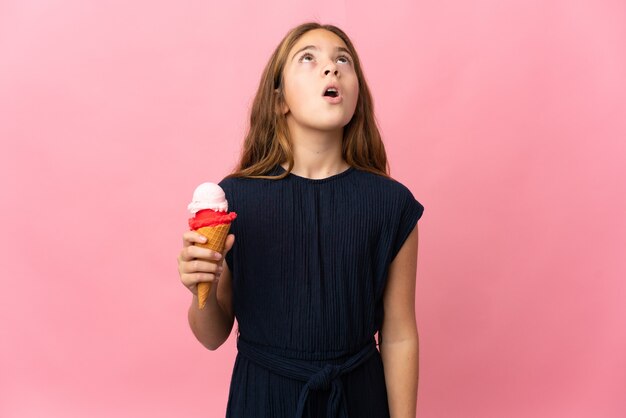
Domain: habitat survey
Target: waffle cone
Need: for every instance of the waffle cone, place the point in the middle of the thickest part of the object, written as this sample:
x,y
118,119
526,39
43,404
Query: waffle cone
x,y
216,239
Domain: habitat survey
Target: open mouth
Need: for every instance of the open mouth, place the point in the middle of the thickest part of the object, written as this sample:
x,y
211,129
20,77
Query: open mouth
x,y
331,92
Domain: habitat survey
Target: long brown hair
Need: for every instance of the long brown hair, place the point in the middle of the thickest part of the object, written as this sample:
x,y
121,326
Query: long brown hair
x,y
267,141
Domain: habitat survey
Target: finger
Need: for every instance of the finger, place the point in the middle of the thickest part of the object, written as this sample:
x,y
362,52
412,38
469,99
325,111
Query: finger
x,y
185,255
202,253
200,266
193,237
192,279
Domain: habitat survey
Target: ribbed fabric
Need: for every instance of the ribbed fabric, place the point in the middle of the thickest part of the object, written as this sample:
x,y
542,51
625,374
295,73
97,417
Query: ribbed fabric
x,y
315,378
309,265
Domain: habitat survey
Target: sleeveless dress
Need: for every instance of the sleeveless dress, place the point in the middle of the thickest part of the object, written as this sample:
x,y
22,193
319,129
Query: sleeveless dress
x,y
309,267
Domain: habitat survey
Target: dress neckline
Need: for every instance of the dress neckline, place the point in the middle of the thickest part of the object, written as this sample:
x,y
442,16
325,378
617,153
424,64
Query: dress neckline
x,y
309,180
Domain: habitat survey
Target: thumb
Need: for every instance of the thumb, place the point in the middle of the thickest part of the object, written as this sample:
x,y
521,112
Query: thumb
x,y
230,241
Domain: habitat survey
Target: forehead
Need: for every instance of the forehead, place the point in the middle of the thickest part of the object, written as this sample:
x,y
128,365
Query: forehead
x,y
321,38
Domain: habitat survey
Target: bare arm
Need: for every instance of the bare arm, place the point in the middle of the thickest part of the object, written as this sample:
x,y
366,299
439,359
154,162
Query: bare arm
x,y
399,345
213,324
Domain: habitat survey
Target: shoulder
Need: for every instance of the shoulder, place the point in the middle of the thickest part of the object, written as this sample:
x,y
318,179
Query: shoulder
x,y
398,198
244,190
237,182
232,184
386,186
227,182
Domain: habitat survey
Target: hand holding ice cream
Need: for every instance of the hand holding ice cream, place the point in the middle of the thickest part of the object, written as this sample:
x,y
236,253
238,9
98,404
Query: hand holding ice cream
x,y
211,219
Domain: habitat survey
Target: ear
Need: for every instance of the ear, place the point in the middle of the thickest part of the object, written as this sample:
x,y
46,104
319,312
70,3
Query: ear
x,y
284,109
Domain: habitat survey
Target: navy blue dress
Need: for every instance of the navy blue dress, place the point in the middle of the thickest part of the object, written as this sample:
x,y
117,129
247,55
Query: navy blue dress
x,y
309,267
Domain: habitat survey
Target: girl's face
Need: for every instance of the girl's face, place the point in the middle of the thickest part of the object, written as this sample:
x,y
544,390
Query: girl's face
x,y
319,60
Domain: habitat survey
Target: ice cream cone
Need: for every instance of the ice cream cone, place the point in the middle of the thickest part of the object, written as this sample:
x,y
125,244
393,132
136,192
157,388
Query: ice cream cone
x,y
216,239
211,218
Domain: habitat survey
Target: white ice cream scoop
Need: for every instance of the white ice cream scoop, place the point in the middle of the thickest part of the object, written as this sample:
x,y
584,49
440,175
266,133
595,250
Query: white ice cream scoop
x,y
208,196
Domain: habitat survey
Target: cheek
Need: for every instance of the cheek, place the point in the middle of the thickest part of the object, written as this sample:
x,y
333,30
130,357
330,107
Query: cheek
x,y
353,83
290,93
356,91
293,96
298,91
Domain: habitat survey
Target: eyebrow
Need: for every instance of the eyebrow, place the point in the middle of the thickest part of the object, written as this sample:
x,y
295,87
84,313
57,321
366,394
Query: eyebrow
x,y
338,48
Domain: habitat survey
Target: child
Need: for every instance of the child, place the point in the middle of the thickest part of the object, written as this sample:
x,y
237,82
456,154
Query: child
x,y
325,253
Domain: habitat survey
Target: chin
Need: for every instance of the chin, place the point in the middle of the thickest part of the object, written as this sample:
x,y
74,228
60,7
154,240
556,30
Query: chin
x,y
332,125
329,128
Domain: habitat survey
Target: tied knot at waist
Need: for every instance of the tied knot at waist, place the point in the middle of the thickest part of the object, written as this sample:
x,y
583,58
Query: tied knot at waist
x,y
323,378
315,377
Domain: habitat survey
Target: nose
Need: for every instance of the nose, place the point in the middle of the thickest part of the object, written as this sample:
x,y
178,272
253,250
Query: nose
x,y
331,67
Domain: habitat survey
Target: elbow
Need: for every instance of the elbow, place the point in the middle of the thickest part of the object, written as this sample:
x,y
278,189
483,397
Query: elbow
x,y
209,341
210,333
212,346
212,342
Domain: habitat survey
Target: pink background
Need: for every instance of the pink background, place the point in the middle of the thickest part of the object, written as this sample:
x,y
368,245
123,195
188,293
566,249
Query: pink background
x,y
507,120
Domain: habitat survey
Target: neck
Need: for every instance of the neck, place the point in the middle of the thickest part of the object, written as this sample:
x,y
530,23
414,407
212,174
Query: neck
x,y
316,154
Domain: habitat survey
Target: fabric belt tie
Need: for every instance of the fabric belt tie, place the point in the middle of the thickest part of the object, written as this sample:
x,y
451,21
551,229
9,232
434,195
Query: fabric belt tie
x,y
315,378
